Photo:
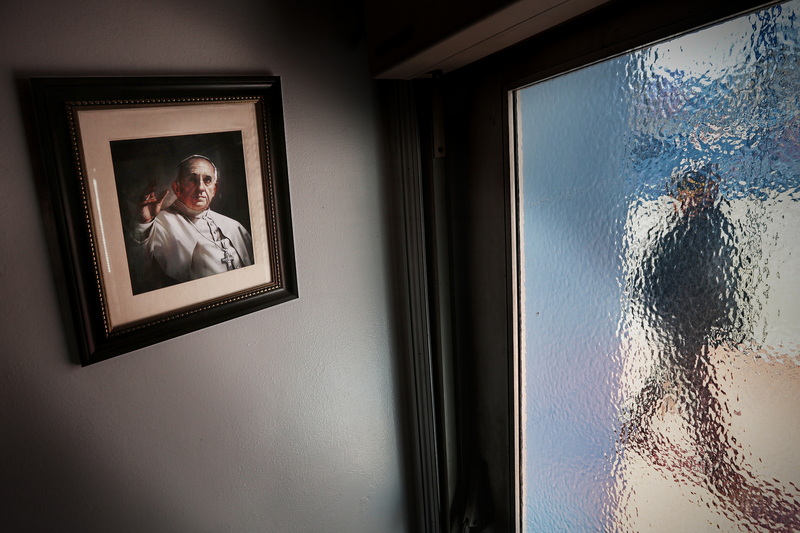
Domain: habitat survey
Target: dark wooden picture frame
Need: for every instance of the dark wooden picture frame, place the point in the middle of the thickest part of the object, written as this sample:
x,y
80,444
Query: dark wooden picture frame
x,y
100,139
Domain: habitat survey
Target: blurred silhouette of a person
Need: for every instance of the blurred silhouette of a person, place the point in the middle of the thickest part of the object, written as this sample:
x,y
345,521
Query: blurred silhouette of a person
x,y
685,292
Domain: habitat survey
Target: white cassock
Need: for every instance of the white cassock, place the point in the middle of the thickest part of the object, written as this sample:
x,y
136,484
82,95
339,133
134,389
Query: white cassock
x,y
188,244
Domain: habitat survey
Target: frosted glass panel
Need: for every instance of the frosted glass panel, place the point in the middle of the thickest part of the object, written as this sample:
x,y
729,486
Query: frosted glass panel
x,y
660,286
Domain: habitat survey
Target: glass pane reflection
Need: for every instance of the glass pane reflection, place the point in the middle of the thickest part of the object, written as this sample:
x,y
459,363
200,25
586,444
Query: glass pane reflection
x,y
659,216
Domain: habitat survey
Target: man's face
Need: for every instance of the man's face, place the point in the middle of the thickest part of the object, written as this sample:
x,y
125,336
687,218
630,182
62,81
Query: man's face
x,y
693,201
196,185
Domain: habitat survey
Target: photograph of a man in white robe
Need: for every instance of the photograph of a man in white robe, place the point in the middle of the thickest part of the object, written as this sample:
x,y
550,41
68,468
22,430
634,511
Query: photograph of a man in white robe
x,y
173,235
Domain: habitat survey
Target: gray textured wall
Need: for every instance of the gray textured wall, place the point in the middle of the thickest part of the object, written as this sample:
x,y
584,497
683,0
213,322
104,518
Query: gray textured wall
x,y
283,420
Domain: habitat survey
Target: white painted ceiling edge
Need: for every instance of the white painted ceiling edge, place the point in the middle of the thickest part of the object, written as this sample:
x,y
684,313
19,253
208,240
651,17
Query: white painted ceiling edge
x,y
510,25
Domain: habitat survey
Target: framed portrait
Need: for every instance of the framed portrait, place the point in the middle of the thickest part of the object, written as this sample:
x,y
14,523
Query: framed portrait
x,y
167,201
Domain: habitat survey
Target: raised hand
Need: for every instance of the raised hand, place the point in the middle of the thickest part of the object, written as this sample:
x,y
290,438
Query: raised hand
x,y
150,206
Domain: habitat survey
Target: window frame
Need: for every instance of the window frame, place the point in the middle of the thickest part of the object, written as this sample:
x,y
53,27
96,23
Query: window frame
x,y
481,203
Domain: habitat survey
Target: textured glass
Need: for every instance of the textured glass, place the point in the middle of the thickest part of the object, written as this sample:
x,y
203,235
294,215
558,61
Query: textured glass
x,y
660,286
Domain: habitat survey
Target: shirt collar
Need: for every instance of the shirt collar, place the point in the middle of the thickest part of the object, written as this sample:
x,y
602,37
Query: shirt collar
x,y
183,209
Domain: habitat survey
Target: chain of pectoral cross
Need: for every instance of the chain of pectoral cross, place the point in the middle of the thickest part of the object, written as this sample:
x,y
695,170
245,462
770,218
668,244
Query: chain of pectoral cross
x,y
218,240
